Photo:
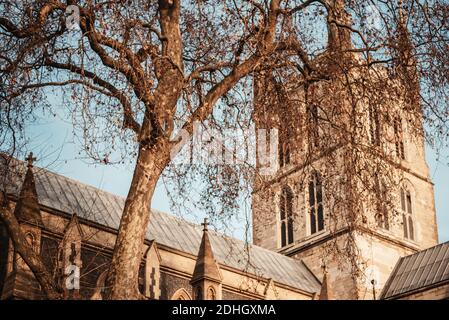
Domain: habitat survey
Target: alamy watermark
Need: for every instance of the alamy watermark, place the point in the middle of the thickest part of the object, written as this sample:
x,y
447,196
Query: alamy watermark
x,y
231,147
72,280
373,18
72,20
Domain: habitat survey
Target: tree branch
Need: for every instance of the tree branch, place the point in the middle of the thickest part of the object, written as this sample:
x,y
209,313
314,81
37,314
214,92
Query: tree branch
x,y
128,120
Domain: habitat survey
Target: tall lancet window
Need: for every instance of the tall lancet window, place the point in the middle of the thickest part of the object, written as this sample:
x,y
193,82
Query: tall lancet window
x,y
316,208
313,124
407,214
284,147
374,125
398,138
211,294
286,216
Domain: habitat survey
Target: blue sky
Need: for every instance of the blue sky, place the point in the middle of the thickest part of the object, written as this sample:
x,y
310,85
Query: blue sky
x,y
51,141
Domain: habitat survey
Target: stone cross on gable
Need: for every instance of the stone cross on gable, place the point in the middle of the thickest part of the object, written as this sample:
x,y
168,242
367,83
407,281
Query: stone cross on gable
x,y
324,267
30,159
205,224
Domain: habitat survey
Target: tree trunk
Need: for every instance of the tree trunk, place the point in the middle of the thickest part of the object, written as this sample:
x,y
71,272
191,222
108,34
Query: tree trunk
x,y
122,280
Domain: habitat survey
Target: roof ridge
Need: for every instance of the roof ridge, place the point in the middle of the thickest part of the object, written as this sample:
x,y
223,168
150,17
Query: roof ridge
x,y
430,248
234,239
39,169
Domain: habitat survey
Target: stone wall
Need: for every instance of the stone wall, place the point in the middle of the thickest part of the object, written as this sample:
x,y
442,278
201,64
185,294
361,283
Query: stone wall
x,y
379,255
171,283
340,276
228,295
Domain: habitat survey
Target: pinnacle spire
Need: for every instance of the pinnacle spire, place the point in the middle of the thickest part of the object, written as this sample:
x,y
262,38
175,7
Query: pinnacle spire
x,y
27,207
326,289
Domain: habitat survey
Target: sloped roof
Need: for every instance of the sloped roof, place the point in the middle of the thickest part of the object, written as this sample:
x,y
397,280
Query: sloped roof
x,y
27,207
70,196
418,271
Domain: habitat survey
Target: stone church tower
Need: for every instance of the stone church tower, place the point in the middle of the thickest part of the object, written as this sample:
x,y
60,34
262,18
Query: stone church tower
x,y
352,192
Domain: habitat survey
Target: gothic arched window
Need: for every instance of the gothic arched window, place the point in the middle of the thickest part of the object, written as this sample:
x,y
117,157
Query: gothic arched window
x,y
398,138
286,216
316,208
181,294
211,294
407,214
314,130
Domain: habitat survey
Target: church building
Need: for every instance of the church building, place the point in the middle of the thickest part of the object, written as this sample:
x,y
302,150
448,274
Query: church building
x,y
73,226
348,213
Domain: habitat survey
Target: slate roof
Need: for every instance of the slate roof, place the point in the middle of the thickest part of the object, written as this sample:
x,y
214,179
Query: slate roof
x,y
418,271
98,206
